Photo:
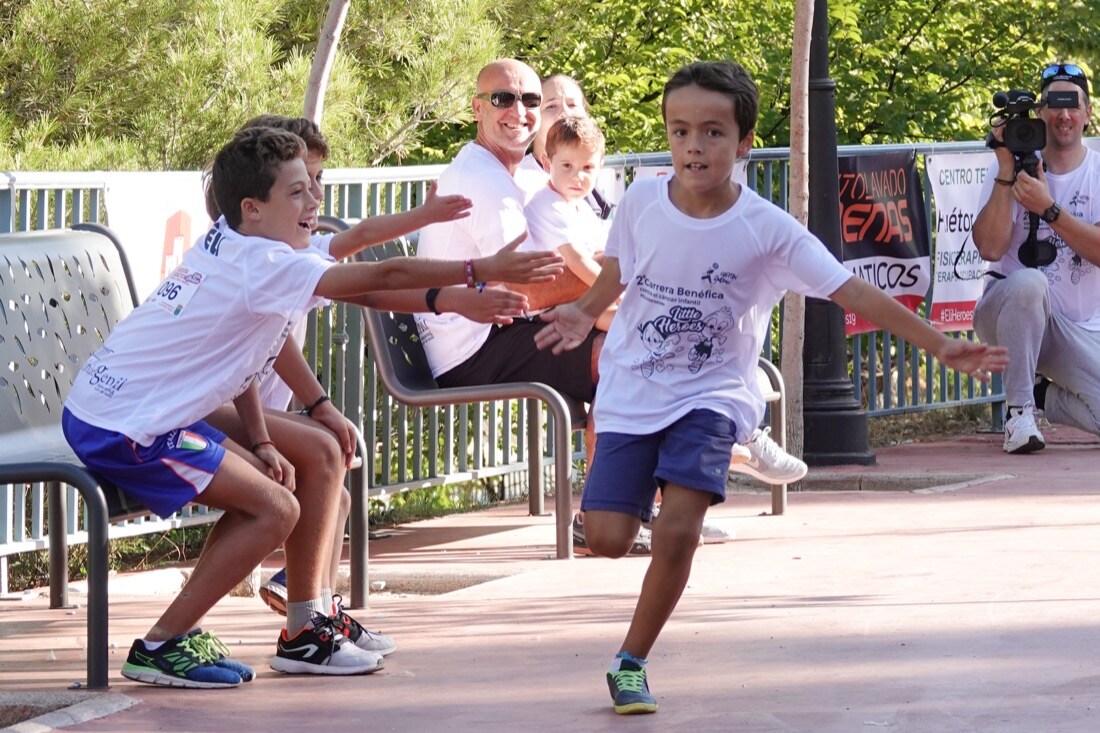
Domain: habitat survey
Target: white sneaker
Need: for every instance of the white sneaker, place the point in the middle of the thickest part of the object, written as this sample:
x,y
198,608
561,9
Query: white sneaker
x,y
714,534
323,649
768,462
1021,433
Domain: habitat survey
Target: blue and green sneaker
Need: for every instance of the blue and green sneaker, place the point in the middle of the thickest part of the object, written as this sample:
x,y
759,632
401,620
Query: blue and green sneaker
x,y
178,662
628,687
214,651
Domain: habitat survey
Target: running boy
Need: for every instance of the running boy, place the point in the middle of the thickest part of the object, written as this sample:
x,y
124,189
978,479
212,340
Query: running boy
x,y
558,216
702,262
209,334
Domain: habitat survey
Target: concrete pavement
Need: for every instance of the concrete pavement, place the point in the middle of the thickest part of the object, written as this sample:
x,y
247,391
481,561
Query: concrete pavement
x,y
975,608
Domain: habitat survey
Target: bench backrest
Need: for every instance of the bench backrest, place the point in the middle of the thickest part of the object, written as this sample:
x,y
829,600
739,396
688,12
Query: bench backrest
x,y
61,294
405,368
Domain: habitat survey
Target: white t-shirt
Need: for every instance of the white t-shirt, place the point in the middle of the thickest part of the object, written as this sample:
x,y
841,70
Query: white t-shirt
x,y
1074,281
552,221
212,327
495,219
274,392
699,295
530,177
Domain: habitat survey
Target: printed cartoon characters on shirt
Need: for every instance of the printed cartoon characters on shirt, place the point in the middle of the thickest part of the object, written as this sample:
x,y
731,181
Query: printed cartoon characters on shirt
x,y
662,348
1078,266
714,326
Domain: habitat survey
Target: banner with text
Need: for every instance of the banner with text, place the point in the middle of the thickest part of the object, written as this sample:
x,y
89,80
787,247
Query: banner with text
x,y
956,180
157,216
884,228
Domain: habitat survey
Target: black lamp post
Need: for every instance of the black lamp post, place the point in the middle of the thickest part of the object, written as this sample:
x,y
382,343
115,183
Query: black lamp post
x,y
835,423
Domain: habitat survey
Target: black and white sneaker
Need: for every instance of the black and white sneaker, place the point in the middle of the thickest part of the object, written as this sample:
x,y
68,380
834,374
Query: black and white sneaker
x,y
322,649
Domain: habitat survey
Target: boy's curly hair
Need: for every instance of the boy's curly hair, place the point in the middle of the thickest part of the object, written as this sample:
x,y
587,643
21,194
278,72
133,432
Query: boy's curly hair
x,y
247,166
304,128
577,131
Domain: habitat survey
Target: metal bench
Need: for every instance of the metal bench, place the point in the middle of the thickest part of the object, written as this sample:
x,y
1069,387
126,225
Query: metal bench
x,y
61,294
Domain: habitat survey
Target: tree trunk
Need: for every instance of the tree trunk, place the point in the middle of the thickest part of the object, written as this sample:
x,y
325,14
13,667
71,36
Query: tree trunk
x,y
323,59
794,304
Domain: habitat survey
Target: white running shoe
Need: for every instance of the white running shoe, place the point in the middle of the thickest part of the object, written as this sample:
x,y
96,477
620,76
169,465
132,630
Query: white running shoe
x,y
715,534
1021,433
323,649
768,462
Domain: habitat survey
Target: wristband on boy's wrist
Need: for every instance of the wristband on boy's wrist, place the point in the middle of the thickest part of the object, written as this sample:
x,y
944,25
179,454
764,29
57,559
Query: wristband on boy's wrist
x,y
429,300
320,401
259,443
471,281
1006,181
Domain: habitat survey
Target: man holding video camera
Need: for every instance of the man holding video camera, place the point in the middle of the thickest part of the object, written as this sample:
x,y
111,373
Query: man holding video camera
x,y
1041,231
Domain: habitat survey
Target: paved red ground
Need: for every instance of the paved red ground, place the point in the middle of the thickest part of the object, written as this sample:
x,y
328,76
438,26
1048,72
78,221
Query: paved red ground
x,y
974,609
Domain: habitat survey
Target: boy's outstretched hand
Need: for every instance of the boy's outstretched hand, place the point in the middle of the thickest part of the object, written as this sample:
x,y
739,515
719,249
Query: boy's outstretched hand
x,y
494,305
445,208
568,327
510,265
977,360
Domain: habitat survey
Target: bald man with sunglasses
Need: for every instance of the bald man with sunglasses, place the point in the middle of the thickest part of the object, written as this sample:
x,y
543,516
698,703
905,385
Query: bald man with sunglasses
x,y
1048,316
460,351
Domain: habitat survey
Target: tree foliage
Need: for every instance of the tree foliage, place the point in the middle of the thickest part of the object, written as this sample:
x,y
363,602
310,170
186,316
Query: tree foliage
x,y
161,83
906,70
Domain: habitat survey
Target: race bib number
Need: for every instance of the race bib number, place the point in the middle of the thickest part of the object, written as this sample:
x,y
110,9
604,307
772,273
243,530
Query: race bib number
x,y
176,291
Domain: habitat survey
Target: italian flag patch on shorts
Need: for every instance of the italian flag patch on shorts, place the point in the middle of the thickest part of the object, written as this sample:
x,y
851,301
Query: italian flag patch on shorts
x,y
191,441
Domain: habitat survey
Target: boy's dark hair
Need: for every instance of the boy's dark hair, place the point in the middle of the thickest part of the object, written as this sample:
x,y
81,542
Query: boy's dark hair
x,y
724,77
578,131
306,129
247,166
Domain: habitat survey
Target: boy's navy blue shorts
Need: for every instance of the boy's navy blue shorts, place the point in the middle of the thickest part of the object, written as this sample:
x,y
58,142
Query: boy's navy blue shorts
x,y
627,470
164,476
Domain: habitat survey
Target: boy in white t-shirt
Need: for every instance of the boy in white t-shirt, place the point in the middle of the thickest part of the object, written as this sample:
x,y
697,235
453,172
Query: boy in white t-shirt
x,y
558,216
331,425
207,335
700,263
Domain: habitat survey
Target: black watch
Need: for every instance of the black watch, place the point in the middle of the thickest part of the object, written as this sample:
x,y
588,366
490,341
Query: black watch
x,y
1051,215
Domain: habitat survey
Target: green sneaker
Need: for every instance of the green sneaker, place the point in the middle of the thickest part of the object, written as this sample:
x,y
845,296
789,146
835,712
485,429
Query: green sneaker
x,y
213,650
178,662
629,689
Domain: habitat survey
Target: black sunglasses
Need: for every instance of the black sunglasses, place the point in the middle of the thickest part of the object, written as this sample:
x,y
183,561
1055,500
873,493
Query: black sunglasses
x,y
504,100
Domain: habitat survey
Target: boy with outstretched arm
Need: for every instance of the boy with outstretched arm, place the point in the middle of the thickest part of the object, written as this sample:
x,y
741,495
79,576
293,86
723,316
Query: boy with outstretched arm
x,y
700,262
207,335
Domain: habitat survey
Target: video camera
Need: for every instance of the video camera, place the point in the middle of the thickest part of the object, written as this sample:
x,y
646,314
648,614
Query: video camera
x,y
1024,135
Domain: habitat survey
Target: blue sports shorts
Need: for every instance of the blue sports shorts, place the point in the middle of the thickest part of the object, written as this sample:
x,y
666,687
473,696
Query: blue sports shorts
x,y
164,476
627,470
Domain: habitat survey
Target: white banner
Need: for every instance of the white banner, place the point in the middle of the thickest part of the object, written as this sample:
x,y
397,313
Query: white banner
x,y
740,171
957,180
156,216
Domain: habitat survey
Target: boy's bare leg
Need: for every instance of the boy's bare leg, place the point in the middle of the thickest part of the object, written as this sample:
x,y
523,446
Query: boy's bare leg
x,y
319,475
338,539
675,539
262,515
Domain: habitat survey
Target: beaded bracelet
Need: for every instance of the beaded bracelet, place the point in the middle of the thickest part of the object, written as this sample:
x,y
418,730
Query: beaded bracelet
x,y
471,281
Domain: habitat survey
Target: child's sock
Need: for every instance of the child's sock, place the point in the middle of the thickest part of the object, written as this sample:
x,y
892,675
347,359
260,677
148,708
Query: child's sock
x,y
326,598
299,614
152,646
616,663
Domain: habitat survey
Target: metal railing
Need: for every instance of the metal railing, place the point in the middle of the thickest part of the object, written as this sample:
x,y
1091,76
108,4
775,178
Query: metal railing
x,y
416,448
